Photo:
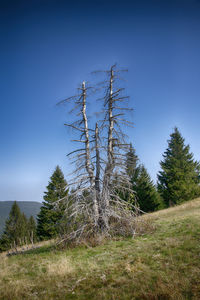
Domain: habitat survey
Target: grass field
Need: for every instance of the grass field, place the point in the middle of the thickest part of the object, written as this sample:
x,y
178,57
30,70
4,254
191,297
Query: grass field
x,y
163,264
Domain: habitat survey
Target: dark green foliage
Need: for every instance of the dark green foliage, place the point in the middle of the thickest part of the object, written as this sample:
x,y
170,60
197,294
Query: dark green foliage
x,y
50,215
132,169
23,227
27,207
4,243
178,180
14,225
17,230
13,228
131,163
32,229
146,193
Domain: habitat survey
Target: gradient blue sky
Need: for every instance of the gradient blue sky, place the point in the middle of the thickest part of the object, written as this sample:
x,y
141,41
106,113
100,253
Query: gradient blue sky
x,y
49,47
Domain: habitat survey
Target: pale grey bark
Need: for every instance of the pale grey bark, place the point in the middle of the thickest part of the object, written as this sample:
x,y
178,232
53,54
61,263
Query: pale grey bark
x,y
95,201
88,164
84,172
98,166
110,161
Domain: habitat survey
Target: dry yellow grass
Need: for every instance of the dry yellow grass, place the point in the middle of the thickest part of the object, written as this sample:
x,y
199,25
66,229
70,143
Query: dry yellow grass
x,y
163,264
180,209
59,268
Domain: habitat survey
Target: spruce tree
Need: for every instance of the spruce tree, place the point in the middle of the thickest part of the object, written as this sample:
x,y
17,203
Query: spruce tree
x,y
146,193
13,224
32,229
14,228
50,216
131,163
23,224
179,179
132,169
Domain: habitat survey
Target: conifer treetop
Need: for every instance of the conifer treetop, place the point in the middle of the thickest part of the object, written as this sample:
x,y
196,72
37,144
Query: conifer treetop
x,y
178,179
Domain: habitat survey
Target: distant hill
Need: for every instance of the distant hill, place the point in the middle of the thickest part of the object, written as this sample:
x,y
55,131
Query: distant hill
x,y
27,207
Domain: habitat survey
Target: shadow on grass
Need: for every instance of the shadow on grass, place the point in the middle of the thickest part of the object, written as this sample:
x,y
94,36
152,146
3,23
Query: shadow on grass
x,y
36,250
40,250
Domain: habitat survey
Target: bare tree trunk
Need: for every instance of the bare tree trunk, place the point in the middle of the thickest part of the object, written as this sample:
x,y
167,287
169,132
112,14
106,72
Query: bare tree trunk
x,y
110,160
87,142
98,167
88,164
97,181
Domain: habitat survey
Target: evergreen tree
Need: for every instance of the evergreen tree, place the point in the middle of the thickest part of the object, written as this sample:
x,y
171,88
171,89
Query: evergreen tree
x,y
50,216
23,229
15,228
13,224
178,181
131,163
132,170
32,229
146,193
4,243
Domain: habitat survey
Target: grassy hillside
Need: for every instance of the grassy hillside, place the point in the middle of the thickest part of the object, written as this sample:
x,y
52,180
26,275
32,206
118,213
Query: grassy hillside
x,y
28,207
163,264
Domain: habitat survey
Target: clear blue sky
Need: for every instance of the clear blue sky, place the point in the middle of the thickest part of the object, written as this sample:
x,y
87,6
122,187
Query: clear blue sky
x,y
48,47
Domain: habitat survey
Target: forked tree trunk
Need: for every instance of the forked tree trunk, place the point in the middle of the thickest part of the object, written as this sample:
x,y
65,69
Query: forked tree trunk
x,y
108,209
88,164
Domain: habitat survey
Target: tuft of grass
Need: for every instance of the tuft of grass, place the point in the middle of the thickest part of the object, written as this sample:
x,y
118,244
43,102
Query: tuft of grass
x,y
163,263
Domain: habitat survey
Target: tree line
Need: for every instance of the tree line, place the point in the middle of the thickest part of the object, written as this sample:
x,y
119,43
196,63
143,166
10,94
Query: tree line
x,y
178,181
19,230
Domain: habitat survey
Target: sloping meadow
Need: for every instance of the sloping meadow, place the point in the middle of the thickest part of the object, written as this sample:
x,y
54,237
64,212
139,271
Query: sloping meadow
x,y
161,264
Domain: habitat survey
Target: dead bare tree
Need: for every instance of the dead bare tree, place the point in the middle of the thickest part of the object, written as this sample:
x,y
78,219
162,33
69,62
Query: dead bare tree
x,y
95,205
114,175
83,200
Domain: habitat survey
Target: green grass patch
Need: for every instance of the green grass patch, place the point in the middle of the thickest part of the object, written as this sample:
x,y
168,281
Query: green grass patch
x,y
164,264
